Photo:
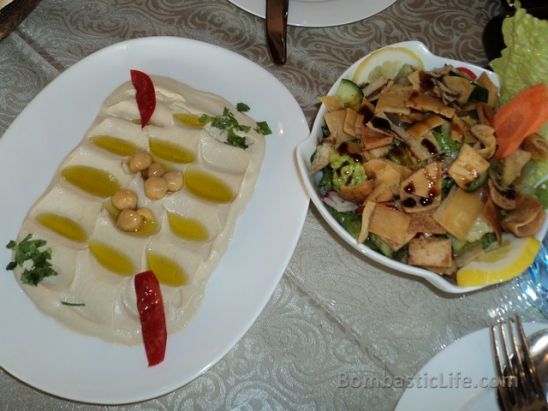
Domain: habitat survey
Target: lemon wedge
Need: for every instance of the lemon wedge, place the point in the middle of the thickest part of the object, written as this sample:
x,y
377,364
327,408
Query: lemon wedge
x,y
501,264
389,60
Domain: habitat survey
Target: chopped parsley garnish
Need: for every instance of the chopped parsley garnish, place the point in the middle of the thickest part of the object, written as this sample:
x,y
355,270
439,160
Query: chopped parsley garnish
x,y
225,121
73,304
33,258
228,122
242,107
235,140
263,128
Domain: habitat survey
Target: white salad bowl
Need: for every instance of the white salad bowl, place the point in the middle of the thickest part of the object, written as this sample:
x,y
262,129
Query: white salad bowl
x,y
307,147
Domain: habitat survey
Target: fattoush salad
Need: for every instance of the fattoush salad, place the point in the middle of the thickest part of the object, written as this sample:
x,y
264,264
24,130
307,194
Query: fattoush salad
x,y
428,167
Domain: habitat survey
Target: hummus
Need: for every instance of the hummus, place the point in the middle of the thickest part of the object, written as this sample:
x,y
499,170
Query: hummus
x,y
86,295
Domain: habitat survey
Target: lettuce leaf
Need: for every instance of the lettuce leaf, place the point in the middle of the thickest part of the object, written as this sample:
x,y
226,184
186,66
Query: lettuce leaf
x,y
524,61
534,181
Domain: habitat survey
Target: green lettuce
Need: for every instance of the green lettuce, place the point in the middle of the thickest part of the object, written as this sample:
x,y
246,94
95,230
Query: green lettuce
x,y
534,181
524,61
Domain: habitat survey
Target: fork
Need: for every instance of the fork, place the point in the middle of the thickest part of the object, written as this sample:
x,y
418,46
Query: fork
x,y
518,386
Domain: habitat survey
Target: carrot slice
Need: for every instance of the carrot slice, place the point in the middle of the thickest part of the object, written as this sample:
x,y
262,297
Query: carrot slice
x,y
524,115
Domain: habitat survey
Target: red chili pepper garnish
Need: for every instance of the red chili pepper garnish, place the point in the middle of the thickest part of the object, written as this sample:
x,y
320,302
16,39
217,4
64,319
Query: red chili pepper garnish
x,y
145,95
467,72
151,313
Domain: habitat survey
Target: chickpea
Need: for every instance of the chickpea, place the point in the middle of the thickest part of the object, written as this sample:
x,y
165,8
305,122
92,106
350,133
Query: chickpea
x,y
146,213
124,199
139,161
156,170
174,180
129,220
155,188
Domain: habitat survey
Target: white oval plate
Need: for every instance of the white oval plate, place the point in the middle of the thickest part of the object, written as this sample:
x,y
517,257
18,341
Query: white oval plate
x,y
320,13
459,378
38,350
307,147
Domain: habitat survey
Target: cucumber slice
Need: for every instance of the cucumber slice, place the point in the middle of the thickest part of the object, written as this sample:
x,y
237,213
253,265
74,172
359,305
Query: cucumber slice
x,y
378,244
350,93
479,94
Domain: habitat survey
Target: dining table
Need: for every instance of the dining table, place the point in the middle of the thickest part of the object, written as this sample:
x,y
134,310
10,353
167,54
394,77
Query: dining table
x,y
336,317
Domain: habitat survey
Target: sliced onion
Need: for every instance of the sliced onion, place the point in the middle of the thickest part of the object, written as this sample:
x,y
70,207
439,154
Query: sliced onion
x,y
332,199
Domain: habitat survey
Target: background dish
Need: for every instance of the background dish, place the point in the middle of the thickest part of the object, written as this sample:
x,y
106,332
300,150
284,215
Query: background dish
x,y
320,13
87,369
307,147
469,357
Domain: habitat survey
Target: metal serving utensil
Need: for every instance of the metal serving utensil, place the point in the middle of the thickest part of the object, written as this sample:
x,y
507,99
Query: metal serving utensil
x,y
276,29
519,387
538,348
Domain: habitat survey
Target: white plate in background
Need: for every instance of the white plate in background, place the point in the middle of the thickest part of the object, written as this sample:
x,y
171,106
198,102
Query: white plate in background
x,y
320,13
461,377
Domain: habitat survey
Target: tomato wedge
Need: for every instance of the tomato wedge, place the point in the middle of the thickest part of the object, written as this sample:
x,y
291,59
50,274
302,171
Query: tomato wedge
x,y
151,313
467,72
145,95
524,115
